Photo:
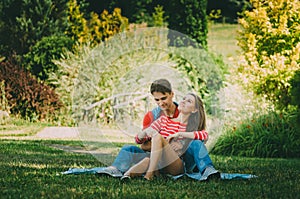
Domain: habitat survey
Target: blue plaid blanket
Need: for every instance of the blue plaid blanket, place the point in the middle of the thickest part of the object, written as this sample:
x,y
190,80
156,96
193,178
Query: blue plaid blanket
x,y
196,176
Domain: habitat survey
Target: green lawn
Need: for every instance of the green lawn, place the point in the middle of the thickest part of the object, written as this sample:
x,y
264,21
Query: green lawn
x,y
222,39
29,170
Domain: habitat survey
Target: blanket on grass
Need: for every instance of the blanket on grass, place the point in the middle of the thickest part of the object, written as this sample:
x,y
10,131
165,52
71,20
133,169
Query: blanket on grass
x,y
196,176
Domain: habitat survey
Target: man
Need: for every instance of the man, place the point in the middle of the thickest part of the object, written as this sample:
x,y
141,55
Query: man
x,y
196,155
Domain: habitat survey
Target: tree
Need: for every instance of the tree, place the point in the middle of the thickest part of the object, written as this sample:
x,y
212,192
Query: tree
x,y
24,22
270,40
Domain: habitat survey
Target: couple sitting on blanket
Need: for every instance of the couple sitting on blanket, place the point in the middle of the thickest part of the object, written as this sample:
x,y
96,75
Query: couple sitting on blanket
x,y
175,134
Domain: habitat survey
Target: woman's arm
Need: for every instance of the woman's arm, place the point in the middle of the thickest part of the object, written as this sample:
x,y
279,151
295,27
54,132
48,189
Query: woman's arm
x,y
196,135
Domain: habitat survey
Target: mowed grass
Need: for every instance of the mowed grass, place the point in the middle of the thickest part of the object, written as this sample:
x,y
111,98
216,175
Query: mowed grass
x,y
222,39
30,169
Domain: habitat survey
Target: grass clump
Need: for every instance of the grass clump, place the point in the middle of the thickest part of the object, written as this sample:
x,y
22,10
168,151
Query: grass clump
x,y
269,135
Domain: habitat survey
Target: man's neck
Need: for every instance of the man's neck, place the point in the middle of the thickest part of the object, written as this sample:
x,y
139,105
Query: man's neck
x,y
170,112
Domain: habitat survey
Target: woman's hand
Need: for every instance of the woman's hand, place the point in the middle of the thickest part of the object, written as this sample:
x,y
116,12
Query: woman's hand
x,y
176,145
175,135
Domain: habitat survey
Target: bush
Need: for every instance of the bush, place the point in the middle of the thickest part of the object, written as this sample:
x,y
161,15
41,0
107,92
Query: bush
x,y
295,89
23,23
295,95
189,18
271,135
40,59
25,95
96,29
270,40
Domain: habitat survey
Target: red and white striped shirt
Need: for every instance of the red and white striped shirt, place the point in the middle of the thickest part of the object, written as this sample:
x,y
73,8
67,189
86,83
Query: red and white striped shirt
x,y
166,126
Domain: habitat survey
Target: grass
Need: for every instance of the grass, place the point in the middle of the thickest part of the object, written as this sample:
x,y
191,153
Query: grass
x,y
221,39
19,127
29,170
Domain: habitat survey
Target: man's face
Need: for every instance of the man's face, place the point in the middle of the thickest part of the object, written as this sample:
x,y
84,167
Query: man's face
x,y
164,101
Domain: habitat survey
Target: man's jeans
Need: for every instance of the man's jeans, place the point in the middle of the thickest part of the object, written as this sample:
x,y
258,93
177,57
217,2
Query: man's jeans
x,y
128,156
195,156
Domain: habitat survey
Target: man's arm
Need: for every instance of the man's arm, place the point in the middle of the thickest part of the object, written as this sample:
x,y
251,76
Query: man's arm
x,y
148,119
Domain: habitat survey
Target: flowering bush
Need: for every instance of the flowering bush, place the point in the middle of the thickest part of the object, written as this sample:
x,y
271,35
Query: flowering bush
x,y
270,40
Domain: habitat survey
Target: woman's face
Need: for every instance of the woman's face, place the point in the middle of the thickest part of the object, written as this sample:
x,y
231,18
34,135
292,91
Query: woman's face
x,y
187,105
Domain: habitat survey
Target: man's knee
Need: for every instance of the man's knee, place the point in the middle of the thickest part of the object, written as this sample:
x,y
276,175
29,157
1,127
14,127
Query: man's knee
x,y
128,147
196,144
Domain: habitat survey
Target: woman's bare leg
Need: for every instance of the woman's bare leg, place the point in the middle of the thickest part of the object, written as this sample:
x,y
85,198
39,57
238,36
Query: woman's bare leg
x,y
138,169
162,152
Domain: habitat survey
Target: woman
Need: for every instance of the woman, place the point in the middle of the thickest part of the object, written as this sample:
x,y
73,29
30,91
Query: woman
x,y
170,137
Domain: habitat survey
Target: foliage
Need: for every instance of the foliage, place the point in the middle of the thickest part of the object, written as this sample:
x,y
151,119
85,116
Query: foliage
x,y
229,9
23,23
96,29
108,25
189,18
77,28
39,60
270,40
94,74
205,72
135,11
3,100
295,95
31,169
295,89
25,95
158,17
271,135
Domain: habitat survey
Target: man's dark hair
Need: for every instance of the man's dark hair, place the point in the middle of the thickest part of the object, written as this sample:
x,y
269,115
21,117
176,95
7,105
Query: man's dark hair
x,y
162,86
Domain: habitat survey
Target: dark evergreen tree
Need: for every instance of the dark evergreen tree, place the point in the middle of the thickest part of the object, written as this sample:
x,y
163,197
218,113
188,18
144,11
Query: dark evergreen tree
x,y
25,22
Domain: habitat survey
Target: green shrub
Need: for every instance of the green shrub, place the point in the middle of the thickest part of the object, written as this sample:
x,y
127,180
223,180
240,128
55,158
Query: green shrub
x,y
23,23
295,95
25,95
295,89
40,59
271,135
189,19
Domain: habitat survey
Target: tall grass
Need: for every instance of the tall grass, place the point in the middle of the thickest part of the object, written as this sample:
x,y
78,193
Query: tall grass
x,y
264,135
